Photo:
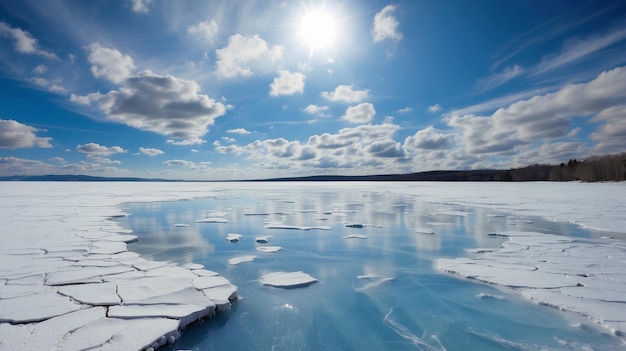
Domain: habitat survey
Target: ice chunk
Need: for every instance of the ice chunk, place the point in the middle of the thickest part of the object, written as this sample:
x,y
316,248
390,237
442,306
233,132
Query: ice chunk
x,y
296,227
354,225
121,334
148,265
424,231
287,279
193,266
263,239
232,237
204,273
35,308
186,314
355,236
102,294
222,295
84,275
181,225
212,220
269,249
202,283
241,259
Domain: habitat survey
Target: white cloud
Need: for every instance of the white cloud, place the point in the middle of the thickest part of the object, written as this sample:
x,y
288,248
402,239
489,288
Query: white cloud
x,y
44,83
434,108
344,93
162,104
361,113
206,30
93,150
15,135
611,135
428,139
243,54
40,69
317,110
574,50
405,110
140,6
24,42
150,151
365,146
497,79
109,63
287,83
241,131
545,117
385,25
179,163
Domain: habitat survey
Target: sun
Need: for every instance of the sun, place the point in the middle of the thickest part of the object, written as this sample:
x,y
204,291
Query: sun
x,y
318,29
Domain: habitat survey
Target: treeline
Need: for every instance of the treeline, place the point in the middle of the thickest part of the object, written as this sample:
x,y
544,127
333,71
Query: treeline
x,y
594,169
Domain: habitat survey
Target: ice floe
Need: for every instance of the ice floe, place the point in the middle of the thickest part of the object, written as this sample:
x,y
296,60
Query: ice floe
x,y
296,227
60,274
269,249
424,231
241,259
263,239
355,236
576,275
233,238
287,279
212,220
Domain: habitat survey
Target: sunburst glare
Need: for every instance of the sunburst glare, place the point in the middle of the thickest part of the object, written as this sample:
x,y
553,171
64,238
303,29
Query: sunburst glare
x,y
318,29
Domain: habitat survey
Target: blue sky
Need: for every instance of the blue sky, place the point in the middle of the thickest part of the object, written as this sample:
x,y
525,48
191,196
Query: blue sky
x,y
255,89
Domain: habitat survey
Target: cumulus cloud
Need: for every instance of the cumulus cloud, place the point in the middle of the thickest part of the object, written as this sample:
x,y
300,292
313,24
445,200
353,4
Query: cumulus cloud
x,y
206,30
109,63
370,146
165,105
361,113
24,42
243,54
546,117
434,108
179,163
344,93
40,69
386,25
150,151
611,135
428,139
405,110
93,150
241,131
287,83
140,6
317,110
15,135
44,83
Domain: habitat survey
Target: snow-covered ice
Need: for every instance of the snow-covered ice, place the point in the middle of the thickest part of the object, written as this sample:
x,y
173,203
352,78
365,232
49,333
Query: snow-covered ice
x,y
355,236
59,243
263,239
232,237
269,249
287,279
241,259
65,263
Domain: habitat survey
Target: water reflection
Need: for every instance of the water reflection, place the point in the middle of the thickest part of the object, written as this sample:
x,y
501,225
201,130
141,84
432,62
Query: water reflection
x,y
377,293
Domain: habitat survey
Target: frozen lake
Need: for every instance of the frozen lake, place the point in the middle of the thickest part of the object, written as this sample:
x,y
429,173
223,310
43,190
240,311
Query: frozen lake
x,y
376,265
374,255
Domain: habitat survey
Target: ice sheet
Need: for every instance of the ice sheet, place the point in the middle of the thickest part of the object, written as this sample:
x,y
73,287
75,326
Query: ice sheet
x,y
61,255
50,229
576,275
287,279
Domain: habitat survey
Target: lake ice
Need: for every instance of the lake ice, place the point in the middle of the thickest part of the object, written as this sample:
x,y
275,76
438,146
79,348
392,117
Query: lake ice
x,y
347,266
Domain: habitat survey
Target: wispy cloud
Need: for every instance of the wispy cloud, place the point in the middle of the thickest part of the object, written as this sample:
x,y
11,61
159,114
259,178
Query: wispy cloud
x,y
25,43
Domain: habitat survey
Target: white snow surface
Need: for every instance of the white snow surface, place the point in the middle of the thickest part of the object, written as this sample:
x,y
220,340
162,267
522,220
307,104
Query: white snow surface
x,y
63,261
287,279
57,236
